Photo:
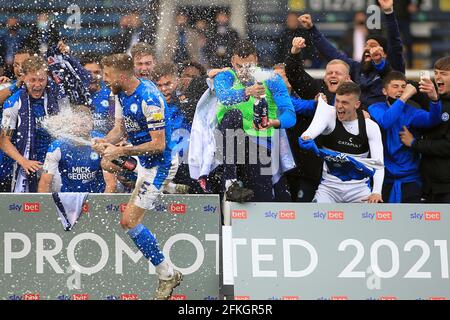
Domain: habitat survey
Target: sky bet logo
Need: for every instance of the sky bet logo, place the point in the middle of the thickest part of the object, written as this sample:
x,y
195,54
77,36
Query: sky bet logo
x,y
80,296
27,207
239,214
284,298
75,296
129,297
282,215
26,296
176,208
379,215
427,216
330,215
335,215
339,298
210,209
112,207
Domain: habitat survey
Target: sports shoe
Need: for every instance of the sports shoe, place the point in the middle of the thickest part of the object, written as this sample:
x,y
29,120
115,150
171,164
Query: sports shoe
x,y
165,287
236,193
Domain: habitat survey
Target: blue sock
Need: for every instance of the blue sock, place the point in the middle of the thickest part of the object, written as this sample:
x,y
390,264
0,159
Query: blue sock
x,y
147,243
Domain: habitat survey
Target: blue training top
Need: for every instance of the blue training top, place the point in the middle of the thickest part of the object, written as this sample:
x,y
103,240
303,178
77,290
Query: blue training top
x,y
79,166
144,111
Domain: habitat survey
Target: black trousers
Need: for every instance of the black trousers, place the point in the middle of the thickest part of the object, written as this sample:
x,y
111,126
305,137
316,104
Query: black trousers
x,y
254,171
411,192
440,198
183,177
5,184
302,189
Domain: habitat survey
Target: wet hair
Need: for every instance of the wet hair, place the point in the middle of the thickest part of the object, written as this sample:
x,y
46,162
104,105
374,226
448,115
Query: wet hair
x,y
348,88
244,48
443,63
164,69
90,57
81,108
120,61
392,76
24,51
142,49
34,64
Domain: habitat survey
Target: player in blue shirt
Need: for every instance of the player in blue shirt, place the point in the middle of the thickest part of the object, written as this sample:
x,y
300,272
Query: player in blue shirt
x,y
402,182
23,138
78,164
101,99
140,115
165,76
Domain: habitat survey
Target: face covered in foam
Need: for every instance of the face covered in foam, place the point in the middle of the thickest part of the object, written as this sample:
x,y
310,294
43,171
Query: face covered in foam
x,y
72,123
82,125
244,67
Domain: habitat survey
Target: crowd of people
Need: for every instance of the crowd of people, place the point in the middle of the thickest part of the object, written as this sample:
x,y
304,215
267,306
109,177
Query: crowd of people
x,y
363,133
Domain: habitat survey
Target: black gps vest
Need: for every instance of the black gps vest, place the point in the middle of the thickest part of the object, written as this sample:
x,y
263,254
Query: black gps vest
x,y
340,140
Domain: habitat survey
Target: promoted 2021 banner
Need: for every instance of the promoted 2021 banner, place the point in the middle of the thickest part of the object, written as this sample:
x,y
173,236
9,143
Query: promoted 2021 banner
x,y
96,259
340,251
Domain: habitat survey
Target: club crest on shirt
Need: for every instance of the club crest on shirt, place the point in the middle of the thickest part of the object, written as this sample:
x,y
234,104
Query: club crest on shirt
x,y
134,108
158,116
105,103
445,116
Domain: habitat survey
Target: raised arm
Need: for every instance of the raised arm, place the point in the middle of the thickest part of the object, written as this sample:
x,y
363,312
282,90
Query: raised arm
x,y
387,118
395,45
302,83
324,47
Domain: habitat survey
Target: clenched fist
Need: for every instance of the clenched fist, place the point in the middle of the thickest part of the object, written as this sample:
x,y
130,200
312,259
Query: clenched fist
x,y
377,54
386,5
298,43
410,90
306,21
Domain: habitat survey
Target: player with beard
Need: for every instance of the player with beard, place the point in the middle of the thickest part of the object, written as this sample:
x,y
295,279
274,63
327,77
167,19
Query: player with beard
x,y
143,59
380,55
140,114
